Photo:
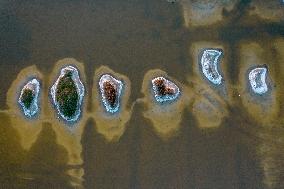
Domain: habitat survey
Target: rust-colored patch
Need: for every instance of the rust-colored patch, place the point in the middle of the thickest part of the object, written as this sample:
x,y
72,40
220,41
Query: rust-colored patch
x,y
162,88
110,93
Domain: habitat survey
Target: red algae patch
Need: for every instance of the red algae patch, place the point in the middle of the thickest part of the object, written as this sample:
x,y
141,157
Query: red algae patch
x,y
111,120
164,115
111,90
165,90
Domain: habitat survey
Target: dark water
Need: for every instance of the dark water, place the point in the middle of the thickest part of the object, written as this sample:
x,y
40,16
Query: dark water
x,y
132,37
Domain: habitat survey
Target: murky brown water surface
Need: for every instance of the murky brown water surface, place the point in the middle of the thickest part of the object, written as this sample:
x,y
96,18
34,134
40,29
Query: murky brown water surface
x,y
211,137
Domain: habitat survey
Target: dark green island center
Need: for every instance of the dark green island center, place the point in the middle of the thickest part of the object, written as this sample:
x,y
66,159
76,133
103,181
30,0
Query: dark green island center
x,y
27,98
67,95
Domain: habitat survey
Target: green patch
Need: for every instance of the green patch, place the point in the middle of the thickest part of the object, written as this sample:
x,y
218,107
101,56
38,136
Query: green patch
x,y
27,98
67,95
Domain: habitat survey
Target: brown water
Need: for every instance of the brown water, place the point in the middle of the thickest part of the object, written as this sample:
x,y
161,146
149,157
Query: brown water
x,y
236,142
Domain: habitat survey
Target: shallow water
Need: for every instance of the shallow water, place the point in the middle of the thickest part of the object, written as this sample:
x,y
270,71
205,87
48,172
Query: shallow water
x,y
221,136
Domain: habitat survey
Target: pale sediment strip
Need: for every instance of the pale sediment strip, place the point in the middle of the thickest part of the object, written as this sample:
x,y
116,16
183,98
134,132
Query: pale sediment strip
x,y
28,128
211,100
271,150
165,117
204,12
111,124
68,133
272,11
278,46
209,108
262,107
